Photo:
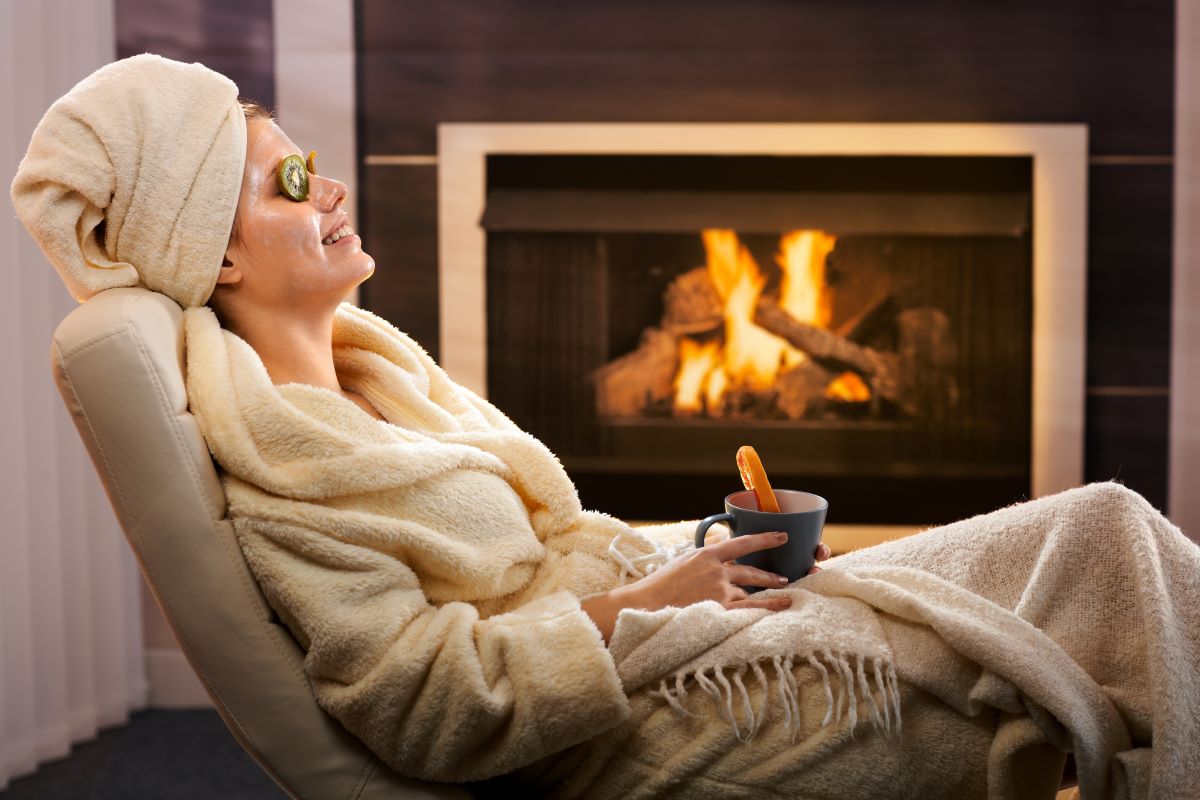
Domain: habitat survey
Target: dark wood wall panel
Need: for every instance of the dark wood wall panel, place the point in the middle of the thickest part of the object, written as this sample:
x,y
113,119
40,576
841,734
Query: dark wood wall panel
x,y
1127,441
1105,63
1129,275
1109,64
399,230
233,37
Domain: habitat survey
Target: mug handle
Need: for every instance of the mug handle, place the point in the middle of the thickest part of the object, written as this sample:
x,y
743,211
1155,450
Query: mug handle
x,y
707,523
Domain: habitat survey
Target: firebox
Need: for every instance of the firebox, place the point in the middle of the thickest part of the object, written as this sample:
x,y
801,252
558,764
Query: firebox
x,y
865,320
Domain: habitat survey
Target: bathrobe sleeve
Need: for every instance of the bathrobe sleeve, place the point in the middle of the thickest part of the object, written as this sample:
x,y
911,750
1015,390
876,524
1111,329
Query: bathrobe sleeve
x,y
436,692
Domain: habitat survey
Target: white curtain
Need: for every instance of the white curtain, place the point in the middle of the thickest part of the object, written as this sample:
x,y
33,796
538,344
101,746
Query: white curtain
x,y
71,653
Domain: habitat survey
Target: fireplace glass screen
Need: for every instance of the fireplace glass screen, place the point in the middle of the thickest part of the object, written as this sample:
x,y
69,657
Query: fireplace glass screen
x,y
864,322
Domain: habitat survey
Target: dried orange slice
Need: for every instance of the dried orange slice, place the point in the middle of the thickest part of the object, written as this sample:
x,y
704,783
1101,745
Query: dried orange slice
x,y
754,477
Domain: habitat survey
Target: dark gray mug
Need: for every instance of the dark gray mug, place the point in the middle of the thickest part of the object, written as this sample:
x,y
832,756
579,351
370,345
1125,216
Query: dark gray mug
x,y
801,515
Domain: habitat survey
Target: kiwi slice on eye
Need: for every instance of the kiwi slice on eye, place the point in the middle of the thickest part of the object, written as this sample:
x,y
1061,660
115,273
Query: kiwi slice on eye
x,y
312,161
293,178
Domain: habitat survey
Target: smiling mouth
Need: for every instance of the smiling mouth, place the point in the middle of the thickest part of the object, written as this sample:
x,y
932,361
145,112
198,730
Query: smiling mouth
x,y
344,232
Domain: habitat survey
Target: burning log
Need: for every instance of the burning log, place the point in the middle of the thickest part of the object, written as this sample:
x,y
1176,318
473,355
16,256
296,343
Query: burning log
x,y
925,336
802,388
627,386
835,353
927,353
691,303
745,403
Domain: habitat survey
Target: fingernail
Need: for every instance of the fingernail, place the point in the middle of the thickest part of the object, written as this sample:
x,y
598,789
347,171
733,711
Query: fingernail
x,y
781,537
782,579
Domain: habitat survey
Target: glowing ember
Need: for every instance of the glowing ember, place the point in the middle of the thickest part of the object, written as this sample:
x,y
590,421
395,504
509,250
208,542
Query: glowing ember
x,y
849,388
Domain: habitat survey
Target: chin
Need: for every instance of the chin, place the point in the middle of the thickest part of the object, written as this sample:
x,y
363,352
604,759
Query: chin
x,y
353,267
369,270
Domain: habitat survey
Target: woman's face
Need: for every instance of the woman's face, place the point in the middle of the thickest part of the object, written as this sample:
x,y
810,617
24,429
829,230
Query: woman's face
x,y
277,257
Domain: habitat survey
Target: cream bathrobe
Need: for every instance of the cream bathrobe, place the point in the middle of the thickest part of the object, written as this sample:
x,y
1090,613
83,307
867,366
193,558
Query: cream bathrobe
x,y
432,567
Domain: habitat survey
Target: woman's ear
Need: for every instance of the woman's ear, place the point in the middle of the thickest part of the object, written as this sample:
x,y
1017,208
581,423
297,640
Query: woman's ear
x,y
230,272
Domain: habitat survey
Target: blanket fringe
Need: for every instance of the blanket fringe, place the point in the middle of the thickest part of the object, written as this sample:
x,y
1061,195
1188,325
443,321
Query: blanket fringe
x,y
852,680
879,692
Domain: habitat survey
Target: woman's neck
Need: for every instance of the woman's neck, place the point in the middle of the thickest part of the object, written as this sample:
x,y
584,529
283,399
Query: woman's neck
x,y
295,349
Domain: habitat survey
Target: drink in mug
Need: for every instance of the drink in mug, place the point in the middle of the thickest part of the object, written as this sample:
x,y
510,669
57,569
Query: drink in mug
x,y
801,515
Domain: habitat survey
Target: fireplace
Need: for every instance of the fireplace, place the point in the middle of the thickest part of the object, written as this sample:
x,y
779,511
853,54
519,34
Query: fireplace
x,y
868,320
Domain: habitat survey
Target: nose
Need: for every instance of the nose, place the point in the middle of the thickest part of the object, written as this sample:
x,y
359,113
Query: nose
x,y
329,193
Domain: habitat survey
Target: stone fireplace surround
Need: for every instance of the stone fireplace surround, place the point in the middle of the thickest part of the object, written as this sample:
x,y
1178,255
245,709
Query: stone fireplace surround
x,y
1059,156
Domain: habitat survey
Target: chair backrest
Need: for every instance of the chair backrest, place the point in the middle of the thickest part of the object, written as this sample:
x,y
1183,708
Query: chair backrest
x,y
119,364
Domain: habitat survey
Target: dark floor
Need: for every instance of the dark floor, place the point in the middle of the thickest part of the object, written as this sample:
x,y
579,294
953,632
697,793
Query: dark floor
x,y
159,755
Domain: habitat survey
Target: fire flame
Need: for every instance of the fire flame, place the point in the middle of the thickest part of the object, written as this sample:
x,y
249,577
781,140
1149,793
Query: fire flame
x,y
750,357
696,363
849,388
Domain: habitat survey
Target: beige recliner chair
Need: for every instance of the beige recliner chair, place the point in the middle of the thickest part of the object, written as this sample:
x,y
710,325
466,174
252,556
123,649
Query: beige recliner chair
x,y
118,362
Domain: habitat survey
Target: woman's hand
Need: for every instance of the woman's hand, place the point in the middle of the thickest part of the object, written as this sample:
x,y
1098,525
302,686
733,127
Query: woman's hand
x,y
823,553
707,573
711,573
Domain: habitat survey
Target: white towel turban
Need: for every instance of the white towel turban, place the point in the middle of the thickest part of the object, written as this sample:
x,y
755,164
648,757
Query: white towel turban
x,y
132,178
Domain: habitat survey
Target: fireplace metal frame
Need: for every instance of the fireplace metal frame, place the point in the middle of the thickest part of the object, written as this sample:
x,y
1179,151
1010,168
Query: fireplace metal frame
x,y
1059,154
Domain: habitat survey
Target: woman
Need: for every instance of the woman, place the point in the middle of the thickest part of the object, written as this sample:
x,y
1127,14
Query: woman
x,y
280,287
466,618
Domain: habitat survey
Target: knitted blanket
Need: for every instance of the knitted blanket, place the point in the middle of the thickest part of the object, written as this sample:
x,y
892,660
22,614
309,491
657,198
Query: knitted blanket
x,y
1065,624
432,568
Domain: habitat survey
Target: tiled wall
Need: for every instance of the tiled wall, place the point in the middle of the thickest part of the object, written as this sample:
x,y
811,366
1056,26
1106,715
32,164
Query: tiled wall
x,y
1109,65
